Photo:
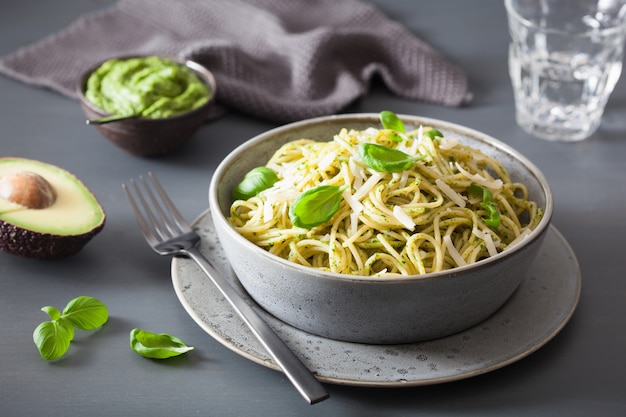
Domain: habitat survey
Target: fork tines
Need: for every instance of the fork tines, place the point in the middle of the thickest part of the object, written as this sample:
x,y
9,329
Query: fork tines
x,y
167,222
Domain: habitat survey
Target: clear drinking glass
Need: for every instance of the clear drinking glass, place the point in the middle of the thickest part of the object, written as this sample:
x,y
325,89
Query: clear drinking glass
x,y
565,58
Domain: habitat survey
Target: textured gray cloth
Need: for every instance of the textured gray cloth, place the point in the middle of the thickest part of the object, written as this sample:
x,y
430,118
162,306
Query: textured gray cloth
x,y
282,60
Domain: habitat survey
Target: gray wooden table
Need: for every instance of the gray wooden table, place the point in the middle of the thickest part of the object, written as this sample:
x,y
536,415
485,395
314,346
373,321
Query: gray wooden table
x,y
581,372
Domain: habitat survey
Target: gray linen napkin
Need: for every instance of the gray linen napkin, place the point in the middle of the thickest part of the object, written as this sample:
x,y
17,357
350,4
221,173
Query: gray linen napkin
x,y
282,60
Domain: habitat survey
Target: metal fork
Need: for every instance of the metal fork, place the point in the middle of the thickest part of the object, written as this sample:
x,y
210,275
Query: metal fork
x,y
168,234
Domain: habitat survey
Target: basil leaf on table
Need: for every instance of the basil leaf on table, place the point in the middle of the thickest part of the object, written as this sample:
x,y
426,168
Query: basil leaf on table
x,y
53,337
53,312
383,159
86,313
315,206
255,181
157,346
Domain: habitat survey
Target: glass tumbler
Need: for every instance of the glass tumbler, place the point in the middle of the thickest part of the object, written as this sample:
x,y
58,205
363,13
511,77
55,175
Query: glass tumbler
x,y
565,58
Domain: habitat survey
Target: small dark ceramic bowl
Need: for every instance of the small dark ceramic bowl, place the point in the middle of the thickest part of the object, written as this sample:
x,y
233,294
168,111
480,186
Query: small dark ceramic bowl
x,y
375,309
151,137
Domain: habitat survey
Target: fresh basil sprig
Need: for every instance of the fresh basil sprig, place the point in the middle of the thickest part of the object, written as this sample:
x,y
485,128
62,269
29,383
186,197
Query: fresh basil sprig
x,y
157,346
383,159
391,121
315,206
493,221
255,181
53,337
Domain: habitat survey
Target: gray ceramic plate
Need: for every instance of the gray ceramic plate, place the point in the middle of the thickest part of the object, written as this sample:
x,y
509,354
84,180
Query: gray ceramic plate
x,y
536,312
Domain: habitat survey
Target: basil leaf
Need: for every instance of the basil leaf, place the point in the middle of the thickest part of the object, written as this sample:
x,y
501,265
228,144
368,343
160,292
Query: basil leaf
x,y
255,181
53,338
86,313
493,221
315,206
391,121
157,346
383,159
433,133
480,191
51,311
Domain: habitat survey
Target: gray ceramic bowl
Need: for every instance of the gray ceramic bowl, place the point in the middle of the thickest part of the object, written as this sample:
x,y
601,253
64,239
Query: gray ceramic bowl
x,y
367,309
151,137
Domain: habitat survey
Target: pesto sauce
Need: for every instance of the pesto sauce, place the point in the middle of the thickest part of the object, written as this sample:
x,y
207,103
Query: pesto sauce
x,y
149,87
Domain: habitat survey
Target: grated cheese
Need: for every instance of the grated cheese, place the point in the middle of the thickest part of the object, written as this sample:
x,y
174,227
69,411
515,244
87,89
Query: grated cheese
x,y
326,161
417,141
486,237
277,194
404,178
456,256
402,217
447,143
450,193
479,179
268,212
519,238
354,224
355,204
367,186
357,172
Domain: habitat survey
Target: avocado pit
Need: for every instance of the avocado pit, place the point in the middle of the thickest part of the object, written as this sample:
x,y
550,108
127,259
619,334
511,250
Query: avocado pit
x,y
27,189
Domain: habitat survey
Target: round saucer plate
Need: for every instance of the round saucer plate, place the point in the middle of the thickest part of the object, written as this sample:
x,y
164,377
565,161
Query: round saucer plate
x,y
536,312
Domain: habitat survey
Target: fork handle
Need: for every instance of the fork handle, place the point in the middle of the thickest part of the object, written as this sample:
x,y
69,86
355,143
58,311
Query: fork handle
x,y
304,381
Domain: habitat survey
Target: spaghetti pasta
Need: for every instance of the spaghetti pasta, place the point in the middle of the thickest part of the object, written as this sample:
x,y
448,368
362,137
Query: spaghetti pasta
x,y
414,220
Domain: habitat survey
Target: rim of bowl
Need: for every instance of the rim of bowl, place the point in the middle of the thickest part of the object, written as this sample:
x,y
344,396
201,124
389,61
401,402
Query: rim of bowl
x,y
203,73
217,215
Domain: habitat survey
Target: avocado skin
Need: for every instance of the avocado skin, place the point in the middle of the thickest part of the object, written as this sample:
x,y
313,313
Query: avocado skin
x,y
29,244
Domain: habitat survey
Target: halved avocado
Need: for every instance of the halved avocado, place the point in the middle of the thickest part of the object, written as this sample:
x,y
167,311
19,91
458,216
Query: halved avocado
x,y
45,212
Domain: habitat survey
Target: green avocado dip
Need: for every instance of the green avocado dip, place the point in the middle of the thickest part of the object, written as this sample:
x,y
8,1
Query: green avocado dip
x,y
149,87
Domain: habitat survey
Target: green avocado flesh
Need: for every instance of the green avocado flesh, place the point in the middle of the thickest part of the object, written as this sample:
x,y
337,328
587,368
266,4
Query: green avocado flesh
x,y
59,230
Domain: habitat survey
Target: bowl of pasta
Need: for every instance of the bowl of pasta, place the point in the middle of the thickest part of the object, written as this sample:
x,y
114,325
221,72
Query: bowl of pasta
x,y
379,228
